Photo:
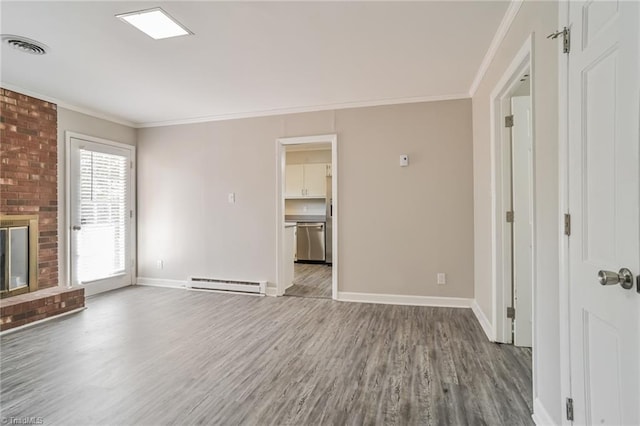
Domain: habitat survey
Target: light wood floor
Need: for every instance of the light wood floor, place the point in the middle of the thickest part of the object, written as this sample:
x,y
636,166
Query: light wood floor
x,y
154,356
310,280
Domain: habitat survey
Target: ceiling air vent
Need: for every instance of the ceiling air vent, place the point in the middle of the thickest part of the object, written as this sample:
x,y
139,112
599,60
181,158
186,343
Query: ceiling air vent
x,y
24,44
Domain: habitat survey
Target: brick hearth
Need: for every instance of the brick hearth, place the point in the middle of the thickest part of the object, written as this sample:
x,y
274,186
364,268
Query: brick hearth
x,y
26,308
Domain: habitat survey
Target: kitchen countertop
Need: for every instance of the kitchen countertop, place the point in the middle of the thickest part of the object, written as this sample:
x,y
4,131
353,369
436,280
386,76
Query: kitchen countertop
x,y
305,218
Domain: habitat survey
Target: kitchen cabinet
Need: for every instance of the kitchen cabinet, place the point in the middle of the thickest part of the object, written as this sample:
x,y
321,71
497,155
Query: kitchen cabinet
x,y
294,180
315,180
306,180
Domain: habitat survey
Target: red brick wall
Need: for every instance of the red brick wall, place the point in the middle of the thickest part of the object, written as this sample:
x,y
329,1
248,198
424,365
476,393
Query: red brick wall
x,y
29,171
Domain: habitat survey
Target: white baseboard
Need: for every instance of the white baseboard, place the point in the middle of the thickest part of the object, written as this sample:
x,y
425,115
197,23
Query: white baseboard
x,y
540,415
208,290
183,285
159,282
398,299
271,291
11,330
484,321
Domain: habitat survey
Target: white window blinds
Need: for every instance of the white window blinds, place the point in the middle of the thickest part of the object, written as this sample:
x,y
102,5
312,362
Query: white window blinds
x,y
103,215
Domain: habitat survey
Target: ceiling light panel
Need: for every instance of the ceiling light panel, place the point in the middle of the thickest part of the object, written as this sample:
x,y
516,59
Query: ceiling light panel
x,y
156,23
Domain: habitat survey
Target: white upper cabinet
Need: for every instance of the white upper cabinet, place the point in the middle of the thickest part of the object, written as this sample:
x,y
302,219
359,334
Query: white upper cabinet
x,y
315,180
294,180
306,180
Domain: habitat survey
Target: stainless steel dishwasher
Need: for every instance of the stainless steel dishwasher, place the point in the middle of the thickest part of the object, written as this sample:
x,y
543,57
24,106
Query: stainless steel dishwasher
x,y
310,241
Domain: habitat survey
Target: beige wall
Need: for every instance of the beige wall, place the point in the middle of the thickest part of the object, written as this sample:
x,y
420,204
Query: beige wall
x,y
539,18
77,122
91,126
398,226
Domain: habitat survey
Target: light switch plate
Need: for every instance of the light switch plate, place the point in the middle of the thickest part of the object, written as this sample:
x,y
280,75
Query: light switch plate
x,y
231,198
442,278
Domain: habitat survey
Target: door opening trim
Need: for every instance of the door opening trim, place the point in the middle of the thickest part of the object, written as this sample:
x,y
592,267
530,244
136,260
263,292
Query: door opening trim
x,y
281,144
501,189
65,263
563,193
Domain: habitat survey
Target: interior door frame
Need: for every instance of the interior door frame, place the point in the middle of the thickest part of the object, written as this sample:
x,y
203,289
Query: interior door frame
x,y
522,188
500,105
563,193
281,144
132,201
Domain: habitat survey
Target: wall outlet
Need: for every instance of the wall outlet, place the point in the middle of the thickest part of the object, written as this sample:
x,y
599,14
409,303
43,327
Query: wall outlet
x,y
231,198
442,278
159,264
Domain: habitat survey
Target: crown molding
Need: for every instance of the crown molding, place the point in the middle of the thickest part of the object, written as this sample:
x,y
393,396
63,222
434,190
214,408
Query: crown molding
x,y
501,32
66,105
233,116
297,110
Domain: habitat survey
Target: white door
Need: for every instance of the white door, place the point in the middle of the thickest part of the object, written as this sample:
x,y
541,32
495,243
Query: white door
x,y
101,215
603,123
523,220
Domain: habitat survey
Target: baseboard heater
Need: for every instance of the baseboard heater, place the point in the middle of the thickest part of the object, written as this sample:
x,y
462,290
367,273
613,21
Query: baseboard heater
x,y
214,284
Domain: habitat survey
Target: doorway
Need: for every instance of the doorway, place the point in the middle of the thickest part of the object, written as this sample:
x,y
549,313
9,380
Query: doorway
x,y
307,217
513,144
100,214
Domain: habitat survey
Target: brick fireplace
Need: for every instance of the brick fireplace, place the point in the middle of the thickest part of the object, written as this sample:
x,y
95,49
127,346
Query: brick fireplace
x,y
29,172
29,188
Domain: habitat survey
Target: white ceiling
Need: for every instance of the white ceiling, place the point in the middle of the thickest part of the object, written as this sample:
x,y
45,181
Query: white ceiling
x,y
248,58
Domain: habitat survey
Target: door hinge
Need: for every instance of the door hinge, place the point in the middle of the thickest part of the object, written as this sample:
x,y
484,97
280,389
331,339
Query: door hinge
x,y
570,409
566,38
131,164
511,313
510,216
508,121
567,224
131,214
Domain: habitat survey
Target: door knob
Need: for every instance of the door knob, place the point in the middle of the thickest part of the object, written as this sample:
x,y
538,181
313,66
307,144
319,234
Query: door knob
x,y
76,227
624,277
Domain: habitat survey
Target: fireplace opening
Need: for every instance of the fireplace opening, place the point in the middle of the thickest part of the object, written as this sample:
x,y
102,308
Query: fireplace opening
x,y
18,255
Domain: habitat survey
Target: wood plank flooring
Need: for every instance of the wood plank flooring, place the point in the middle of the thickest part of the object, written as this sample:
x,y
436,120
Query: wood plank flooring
x,y
154,356
310,280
